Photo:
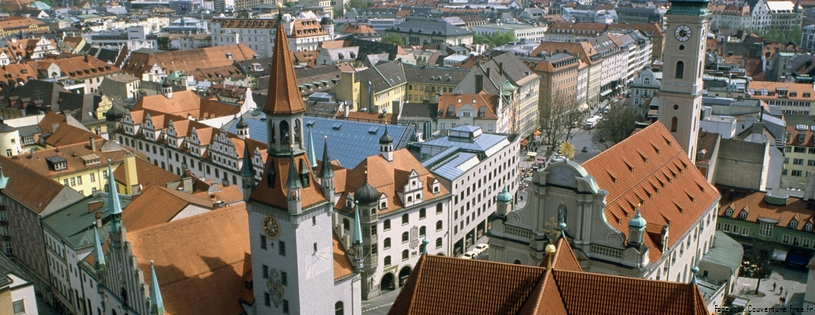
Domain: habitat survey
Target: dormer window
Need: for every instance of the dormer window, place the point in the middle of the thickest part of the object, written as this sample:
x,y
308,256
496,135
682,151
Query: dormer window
x,y
729,212
801,137
743,215
794,224
808,227
57,163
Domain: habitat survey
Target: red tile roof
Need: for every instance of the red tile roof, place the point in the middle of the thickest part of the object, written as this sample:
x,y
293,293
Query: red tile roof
x,y
446,285
650,167
283,95
199,261
275,193
143,212
33,189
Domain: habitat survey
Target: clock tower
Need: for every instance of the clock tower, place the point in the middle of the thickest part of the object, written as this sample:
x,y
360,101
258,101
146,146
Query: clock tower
x,y
680,97
290,221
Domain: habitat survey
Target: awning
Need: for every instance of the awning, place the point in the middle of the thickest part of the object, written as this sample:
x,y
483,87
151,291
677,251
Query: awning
x,y
606,92
524,142
780,255
797,259
532,154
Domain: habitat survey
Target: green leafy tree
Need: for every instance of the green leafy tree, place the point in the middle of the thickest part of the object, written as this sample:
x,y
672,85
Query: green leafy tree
x,y
793,35
357,4
502,38
481,39
393,39
290,4
759,257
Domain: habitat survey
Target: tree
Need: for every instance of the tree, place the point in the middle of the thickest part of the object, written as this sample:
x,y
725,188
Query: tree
x,y
357,4
481,39
495,39
559,115
617,125
290,4
793,35
757,262
393,39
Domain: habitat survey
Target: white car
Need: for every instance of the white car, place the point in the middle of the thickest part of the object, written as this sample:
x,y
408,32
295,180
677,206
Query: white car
x,y
481,248
469,255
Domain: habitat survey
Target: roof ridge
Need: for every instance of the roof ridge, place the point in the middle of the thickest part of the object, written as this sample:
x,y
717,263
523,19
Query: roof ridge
x,y
201,216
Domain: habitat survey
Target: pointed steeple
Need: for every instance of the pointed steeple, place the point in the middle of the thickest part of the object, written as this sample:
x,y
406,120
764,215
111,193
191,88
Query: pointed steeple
x,y
114,205
156,302
357,226
3,179
98,254
312,156
326,171
293,182
247,170
283,96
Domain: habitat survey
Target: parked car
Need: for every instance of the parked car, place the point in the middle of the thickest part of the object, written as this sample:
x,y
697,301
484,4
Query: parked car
x,y
480,248
469,255
585,149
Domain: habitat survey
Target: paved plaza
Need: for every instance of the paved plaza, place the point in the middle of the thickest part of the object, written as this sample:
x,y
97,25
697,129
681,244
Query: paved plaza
x,y
793,280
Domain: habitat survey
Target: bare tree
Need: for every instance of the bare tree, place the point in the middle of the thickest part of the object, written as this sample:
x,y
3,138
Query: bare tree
x,y
559,116
617,125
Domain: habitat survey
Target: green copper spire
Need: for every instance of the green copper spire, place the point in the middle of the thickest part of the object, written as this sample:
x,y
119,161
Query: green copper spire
x,y
3,179
312,158
247,170
326,171
293,182
98,254
156,303
114,205
694,270
357,225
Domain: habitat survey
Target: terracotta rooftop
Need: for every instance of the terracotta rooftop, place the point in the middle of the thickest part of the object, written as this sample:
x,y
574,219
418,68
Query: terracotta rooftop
x,y
185,104
767,90
33,189
12,23
148,174
76,157
283,94
449,104
649,166
274,193
342,265
67,135
142,60
142,211
199,261
447,285
389,177
754,204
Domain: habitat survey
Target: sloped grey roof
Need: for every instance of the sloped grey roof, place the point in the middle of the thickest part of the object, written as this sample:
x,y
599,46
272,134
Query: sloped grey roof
x,y
429,27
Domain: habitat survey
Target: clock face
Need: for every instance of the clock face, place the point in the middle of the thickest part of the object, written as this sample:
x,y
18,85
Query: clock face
x,y
270,226
682,33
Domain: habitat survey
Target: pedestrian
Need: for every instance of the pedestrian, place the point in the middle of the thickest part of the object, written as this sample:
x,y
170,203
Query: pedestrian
x,y
773,286
781,291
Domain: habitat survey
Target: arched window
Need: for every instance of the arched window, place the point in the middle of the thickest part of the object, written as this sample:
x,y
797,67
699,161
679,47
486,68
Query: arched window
x,y
439,225
338,308
674,122
647,81
386,225
297,131
561,214
405,255
794,224
808,227
405,219
517,261
405,237
743,215
438,242
387,261
271,132
346,225
439,208
387,243
729,212
422,231
680,70
284,133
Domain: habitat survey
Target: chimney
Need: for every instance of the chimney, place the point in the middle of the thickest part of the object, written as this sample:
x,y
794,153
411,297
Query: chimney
x,y
187,182
131,176
501,68
93,144
479,82
86,58
98,220
488,73
730,195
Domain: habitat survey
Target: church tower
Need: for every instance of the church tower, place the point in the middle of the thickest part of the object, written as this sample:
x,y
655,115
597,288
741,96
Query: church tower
x,y
289,218
680,103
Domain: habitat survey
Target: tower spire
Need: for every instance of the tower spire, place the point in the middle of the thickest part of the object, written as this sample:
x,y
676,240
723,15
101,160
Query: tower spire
x,y
357,226
283,96
114,205
312,158
326,171
293,182
156,302
247,170
98,254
